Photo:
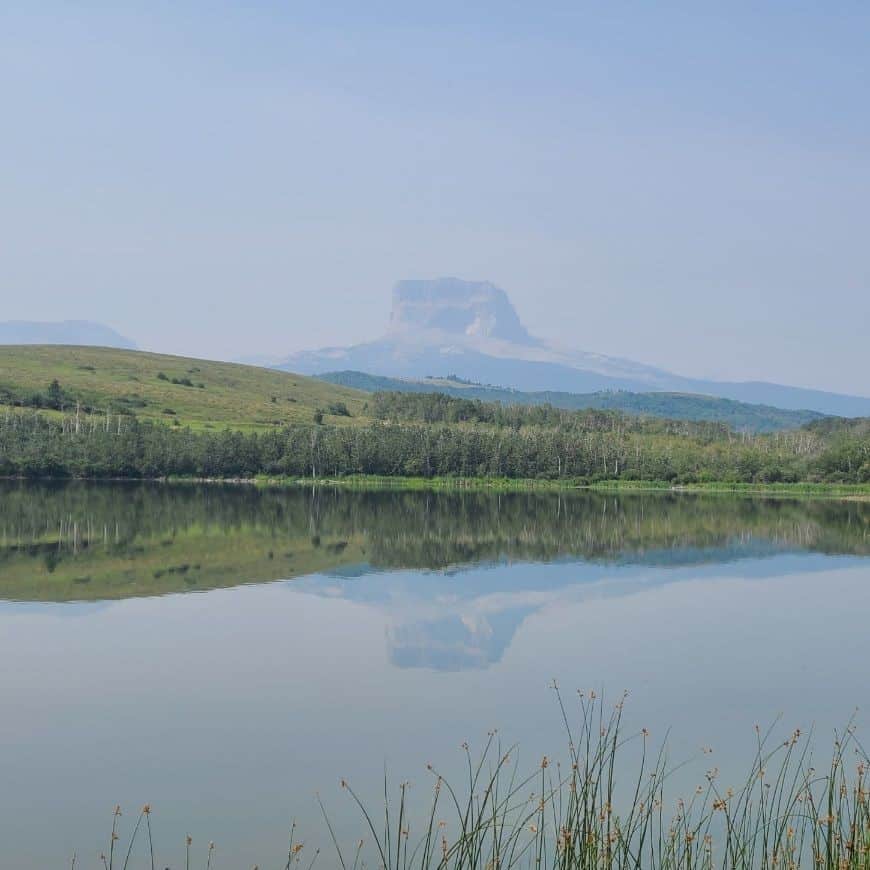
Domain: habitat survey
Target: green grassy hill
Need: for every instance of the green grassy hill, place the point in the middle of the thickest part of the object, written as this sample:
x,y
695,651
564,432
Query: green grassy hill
x,y
673,406
196,393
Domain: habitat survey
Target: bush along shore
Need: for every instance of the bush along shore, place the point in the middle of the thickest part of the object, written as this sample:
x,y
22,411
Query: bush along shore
x,y
515,444
607,804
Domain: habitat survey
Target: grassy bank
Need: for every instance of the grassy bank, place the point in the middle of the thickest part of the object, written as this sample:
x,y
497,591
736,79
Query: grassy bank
x,y
858,491
823,490
365,481
817,490
607,803
501,484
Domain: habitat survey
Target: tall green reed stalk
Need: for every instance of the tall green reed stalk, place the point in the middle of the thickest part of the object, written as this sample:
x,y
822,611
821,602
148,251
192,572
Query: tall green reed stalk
x,y
607,807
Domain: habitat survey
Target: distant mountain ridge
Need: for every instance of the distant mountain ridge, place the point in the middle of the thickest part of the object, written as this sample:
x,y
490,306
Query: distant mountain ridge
x,y
470,328
70,332
678,406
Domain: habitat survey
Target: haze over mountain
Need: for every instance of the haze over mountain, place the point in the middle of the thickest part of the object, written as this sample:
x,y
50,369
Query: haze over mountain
x,y
471,329
77,332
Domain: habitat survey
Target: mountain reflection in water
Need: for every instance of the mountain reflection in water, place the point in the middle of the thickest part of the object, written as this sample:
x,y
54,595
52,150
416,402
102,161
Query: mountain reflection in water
x,y
408,554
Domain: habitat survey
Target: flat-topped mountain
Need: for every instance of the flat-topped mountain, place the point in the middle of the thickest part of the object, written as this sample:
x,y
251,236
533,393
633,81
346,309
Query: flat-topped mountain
x,y
73,332
471,329
473,309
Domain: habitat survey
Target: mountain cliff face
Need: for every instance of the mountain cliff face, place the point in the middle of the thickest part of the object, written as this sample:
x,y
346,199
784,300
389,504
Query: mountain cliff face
x,y
471,329
468,309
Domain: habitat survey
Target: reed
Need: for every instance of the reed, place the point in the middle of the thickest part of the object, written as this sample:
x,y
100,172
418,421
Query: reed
x,y
607,804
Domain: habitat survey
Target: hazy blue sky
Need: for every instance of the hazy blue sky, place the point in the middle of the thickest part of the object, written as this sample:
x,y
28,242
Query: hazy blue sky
x,y
673,183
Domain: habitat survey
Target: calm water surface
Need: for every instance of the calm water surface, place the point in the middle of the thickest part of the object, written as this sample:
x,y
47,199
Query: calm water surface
x,y
224,653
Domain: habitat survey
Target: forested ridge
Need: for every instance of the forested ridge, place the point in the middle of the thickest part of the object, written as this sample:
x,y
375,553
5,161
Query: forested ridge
x,y
675,406
440,437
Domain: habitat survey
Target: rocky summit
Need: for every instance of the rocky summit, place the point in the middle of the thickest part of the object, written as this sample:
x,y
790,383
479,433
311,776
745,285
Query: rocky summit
x,y
456,307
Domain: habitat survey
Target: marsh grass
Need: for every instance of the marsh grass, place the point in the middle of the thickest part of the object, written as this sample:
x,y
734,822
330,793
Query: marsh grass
x,y
610,804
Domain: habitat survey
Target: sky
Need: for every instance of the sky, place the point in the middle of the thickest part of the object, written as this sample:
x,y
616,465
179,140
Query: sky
x,y
686,185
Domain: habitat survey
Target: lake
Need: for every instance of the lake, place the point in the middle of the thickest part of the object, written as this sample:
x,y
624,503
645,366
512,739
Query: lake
x,y
225,652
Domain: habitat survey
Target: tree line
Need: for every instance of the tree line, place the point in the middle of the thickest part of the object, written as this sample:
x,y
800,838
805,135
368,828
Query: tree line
x,y
441,408
581,447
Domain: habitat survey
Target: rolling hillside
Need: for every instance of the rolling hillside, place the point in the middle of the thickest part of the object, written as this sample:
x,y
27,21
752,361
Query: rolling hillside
x,y
676,406
198,393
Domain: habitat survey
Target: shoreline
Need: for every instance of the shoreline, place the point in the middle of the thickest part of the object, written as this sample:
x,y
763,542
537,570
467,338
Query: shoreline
x,y
835,491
